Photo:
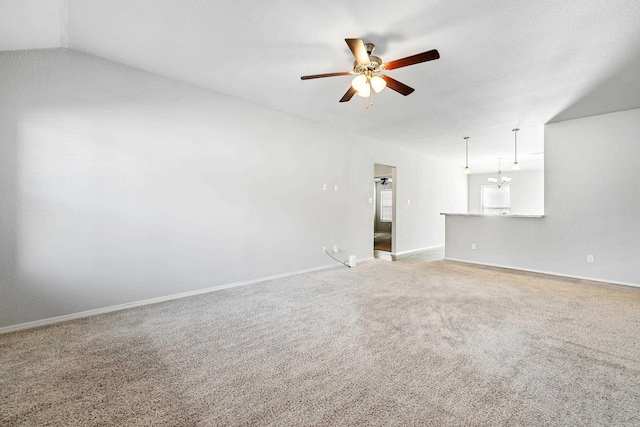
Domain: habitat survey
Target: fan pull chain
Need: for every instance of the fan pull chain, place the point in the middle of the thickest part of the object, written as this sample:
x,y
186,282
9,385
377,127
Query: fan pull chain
x,y
370,99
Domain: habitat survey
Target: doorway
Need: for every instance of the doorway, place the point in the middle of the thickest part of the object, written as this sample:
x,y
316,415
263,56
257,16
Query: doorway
x,y
384,186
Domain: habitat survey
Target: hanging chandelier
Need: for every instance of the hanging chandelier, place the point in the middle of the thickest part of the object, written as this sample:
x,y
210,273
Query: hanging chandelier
x,y
500,180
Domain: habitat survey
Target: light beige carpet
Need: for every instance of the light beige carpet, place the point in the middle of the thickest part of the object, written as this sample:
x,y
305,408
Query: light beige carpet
x,y
404,343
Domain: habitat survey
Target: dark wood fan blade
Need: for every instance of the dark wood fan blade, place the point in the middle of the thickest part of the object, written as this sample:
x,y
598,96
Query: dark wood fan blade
x,y
414,59
401,88
347,96
358,50
319,76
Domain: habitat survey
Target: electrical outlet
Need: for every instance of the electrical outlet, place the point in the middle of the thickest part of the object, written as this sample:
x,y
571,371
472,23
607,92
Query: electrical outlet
x,y
370,199
335,249
335,187
324,187
590,258
473,246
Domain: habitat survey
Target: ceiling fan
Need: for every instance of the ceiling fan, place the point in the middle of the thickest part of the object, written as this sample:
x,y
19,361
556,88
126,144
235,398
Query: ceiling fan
x,y
369,71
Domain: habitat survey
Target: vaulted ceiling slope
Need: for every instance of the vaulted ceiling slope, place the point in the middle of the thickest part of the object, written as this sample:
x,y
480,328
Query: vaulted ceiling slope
x,y
503,64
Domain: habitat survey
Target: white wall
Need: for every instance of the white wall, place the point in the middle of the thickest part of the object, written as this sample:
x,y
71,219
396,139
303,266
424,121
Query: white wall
x,y
592,206
32,24
527,191
119,185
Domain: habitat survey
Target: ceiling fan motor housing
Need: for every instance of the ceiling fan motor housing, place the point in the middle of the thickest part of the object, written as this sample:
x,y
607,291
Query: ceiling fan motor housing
x,y
373,67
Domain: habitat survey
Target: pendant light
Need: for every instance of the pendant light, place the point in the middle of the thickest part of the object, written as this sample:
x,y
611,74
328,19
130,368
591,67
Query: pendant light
x,y
467,171
516,166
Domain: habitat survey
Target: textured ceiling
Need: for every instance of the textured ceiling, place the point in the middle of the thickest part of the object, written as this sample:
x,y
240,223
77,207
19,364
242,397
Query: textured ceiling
x,y
504,63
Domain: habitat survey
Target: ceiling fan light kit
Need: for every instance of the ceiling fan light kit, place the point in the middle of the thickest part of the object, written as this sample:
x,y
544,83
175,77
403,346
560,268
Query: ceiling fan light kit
x,y
369,71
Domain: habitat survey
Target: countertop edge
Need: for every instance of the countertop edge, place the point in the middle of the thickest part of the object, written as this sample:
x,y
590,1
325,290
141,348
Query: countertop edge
x,y
492,216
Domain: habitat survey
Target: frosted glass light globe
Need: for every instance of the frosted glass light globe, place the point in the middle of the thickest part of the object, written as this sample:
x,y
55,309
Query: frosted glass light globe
x,y
378,83
359,82
365,91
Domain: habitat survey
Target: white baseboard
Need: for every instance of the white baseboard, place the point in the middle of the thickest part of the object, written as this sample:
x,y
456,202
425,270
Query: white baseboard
x,y
118,307
636,285
415,251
